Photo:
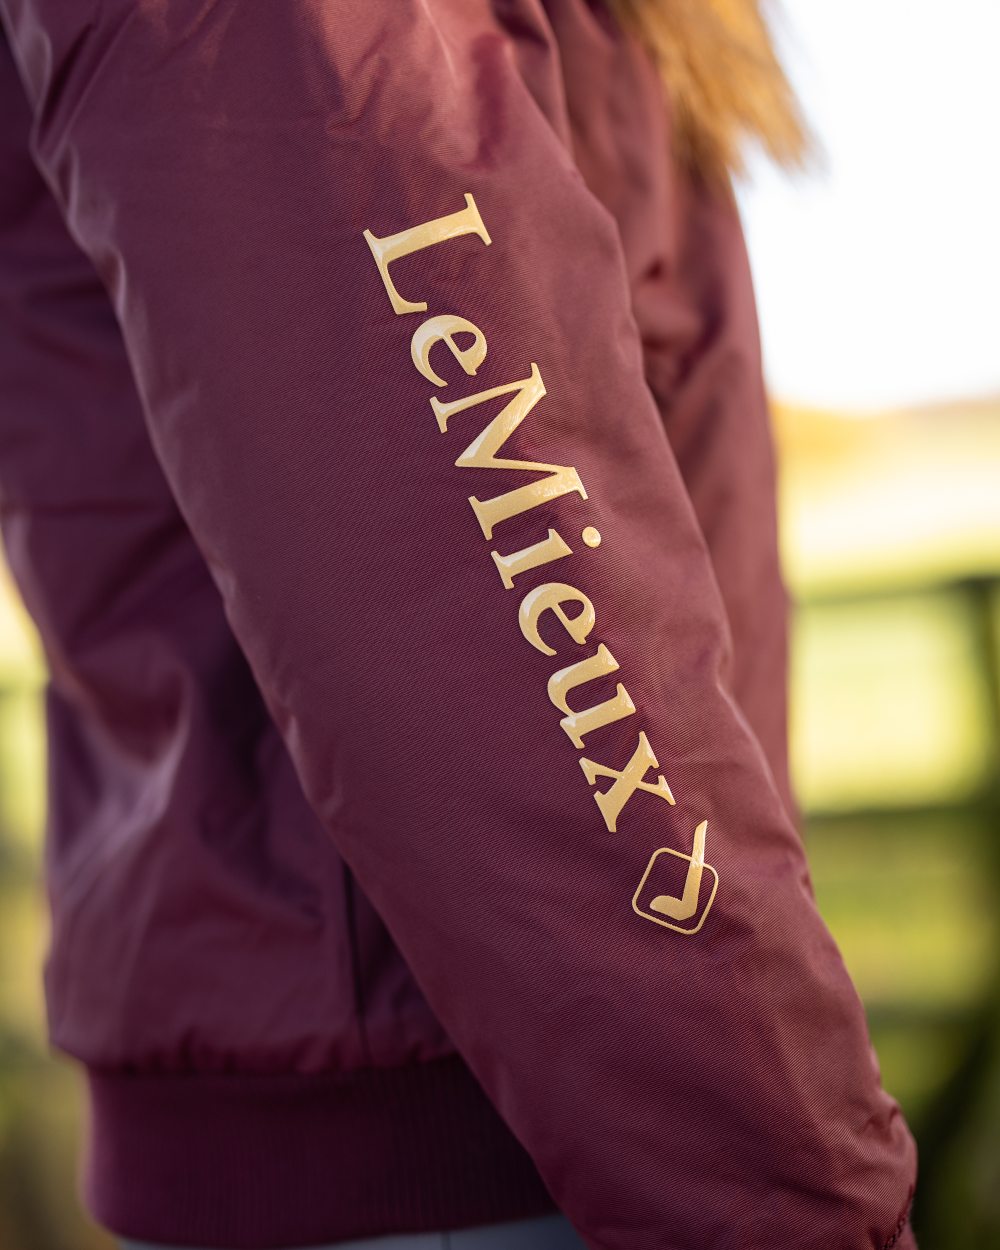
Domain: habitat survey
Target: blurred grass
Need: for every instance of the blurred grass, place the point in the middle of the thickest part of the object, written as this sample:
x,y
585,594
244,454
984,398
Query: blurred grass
x,y
889,705
40,1095
892,542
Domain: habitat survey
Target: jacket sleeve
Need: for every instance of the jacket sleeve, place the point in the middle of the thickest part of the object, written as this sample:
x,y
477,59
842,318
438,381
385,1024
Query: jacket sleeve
x,y
383,338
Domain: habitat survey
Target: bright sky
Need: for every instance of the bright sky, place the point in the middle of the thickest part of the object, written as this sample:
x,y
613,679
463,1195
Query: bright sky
x,y
878,276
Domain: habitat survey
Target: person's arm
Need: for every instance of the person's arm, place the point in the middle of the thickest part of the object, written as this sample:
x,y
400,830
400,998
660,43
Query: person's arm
x,y
383,338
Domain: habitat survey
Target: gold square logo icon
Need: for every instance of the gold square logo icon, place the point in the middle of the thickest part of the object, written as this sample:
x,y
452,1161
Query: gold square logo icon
x,y
677,890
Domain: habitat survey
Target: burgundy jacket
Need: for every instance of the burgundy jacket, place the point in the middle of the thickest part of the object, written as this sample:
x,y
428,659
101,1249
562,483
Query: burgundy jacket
x,y
385,463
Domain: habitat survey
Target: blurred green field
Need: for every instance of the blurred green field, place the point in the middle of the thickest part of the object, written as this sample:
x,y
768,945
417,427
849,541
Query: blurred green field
x,y
892,543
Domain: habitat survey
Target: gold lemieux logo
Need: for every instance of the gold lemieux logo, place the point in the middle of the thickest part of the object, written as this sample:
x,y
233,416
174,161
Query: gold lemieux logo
x,y
550,600
670,910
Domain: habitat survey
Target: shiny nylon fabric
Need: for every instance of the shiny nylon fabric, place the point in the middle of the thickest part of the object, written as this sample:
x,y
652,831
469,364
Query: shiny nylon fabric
x,y
292,712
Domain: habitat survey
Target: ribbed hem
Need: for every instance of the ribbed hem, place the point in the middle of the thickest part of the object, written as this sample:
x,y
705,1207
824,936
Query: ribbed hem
x,y
256,1162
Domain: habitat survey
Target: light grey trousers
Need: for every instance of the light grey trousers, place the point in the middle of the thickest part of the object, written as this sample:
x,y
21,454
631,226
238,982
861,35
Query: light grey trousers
x,y
545,1232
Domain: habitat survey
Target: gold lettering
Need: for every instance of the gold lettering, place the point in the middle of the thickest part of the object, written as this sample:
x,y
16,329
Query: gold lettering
x,y
481,453
529,392
518,562
668,909
443,330
612,800
564,480
390,248
578,724
549,598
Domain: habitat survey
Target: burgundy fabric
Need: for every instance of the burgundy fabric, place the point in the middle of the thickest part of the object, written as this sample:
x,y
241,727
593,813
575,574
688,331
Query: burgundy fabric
x,y
322,862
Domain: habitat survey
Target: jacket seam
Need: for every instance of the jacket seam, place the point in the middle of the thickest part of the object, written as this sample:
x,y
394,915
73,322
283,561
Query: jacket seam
x,y
901,1224
360,1004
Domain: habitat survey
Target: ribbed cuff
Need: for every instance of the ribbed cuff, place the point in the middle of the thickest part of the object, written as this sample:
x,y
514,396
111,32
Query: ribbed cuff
x,y
255,1162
